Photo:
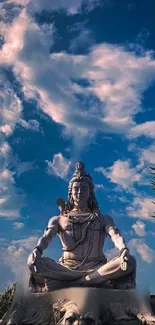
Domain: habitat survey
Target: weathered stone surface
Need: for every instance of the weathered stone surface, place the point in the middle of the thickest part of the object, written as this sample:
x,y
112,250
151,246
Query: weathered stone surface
x,y
90,306
82,229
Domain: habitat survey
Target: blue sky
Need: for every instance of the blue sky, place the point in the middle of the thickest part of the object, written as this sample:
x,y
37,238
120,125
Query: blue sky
x,y
77,82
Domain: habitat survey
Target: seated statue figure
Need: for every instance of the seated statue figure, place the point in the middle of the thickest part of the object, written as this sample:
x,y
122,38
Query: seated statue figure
x,y
82,229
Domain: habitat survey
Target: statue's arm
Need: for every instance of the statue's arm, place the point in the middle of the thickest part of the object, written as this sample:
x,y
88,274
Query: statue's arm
x,y
49,233
114,233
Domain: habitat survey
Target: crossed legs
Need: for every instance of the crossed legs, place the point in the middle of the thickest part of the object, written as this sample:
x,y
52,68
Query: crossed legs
x,y
109,271
61,276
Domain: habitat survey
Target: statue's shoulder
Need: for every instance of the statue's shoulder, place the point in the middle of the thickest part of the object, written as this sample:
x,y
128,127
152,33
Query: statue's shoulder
x,y
54,221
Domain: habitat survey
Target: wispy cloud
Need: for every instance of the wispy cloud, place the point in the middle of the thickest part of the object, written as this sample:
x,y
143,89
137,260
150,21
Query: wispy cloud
x,y
10,197
139,228
10,107
146,253
83,41
14,258
23,167
18,225
71,7
121,173
146,129
28,243
99,186
127,178
59,167
116,78
32,125
112,253
141,208
147,155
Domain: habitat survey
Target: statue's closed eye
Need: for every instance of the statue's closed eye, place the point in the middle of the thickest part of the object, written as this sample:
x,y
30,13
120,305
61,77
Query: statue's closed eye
x,y
70,320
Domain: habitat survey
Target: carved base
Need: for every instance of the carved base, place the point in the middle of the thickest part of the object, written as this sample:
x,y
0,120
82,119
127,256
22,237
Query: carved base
x,y
111,307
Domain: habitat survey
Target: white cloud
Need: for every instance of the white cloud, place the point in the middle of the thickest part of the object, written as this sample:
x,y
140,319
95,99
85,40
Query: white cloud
x,y
6,129
10,107
147,155
32,125
10,199
146,253
18,225
59,166
14,258
26,243
112,253
121,173
139,228
141,208
2,240
20,2
99,186
147,129
123,199
70,6
14,38
10,114
5,149
116,78
84,39
23,167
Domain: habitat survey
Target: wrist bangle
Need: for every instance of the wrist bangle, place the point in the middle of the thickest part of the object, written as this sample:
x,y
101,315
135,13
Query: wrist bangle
x,y
124,249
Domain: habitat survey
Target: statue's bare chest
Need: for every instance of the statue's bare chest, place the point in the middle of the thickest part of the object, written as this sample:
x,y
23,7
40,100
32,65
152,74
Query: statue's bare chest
x,y
75,226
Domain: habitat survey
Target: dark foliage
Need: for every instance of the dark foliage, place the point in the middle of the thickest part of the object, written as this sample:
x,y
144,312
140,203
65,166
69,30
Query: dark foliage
x,y
6,298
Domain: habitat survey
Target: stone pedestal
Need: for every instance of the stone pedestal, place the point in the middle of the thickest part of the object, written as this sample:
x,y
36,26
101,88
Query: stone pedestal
x,y
102,306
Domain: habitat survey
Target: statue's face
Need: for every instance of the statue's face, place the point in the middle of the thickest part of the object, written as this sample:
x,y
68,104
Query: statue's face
x,y
80,192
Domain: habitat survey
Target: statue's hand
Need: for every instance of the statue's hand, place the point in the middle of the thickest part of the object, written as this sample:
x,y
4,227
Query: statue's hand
x,y
124,259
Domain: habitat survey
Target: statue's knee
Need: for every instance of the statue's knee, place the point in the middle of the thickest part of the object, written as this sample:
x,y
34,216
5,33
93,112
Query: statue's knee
x,y
30,262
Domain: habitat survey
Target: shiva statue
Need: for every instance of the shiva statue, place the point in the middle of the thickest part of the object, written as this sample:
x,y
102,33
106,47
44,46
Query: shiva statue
x,y
82,230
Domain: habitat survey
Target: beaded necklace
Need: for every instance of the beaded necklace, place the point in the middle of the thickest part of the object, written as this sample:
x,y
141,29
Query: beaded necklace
x,y
84,237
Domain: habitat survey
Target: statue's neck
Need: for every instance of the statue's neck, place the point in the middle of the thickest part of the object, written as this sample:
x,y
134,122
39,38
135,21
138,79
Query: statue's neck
x,y
80,207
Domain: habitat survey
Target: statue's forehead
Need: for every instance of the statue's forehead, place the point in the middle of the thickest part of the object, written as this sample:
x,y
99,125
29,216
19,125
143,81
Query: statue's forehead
x,y
80,183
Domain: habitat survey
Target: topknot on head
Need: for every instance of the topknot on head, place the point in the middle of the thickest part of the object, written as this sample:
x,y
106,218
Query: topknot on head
x,y
80,165
80,174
